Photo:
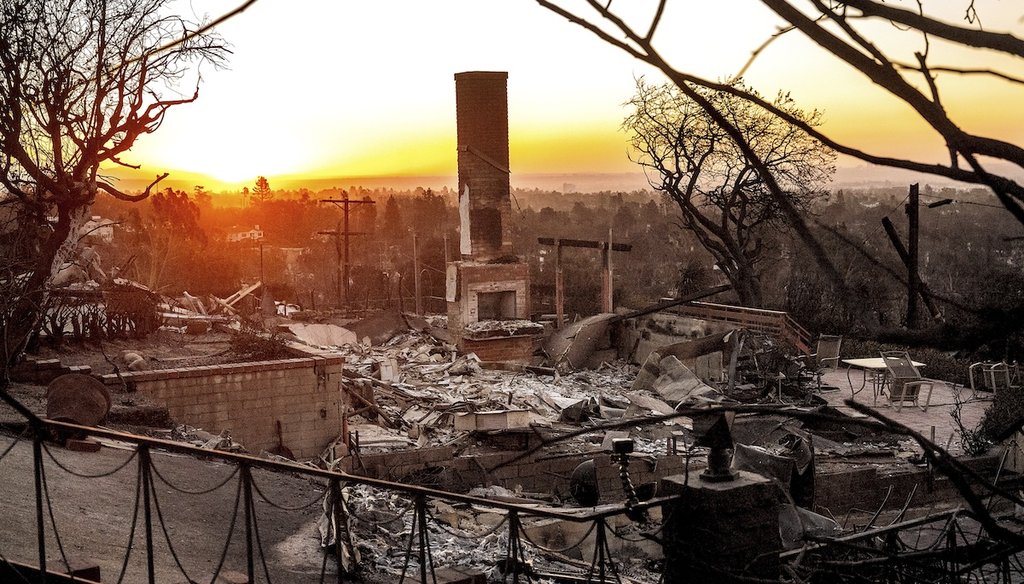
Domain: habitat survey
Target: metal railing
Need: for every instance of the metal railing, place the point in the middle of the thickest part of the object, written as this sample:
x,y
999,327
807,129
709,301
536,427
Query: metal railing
x,y
417,545
939,547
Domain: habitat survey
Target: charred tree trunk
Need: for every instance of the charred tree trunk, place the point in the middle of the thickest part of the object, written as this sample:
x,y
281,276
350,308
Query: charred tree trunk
x,y
26,312
744,281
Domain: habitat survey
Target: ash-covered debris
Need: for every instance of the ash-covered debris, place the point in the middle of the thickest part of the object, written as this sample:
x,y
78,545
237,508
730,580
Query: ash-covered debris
x,y
203,439
482,328
475,537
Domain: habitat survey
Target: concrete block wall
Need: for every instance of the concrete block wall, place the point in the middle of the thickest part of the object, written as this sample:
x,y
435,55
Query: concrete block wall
x,y
248,399
535,474
864,488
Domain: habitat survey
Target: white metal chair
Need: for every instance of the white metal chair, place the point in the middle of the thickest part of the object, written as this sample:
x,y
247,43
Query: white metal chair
x,y
994,376
905,381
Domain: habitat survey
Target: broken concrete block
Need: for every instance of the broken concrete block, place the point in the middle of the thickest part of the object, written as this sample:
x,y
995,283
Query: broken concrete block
x,y
322,335
86,445
43,364
612,435
598,358
389,370
493,420
380,328
651,403
570,348
576,411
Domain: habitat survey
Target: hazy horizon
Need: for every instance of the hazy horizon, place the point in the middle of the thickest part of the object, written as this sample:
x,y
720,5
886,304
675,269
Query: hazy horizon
x,y
852,176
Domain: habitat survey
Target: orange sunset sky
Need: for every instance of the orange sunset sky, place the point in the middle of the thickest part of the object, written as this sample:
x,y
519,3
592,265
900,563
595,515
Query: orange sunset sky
x,y
332,88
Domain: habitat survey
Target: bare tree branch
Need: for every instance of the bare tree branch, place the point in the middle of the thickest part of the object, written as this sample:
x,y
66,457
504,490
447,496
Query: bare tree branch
x,y
130,198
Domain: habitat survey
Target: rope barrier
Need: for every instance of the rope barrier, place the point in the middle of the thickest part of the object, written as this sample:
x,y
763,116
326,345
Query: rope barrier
x,y
185,491
131,532
49,509
527,537
82,475
230,534
17,439
163,529
247,476
323,568
259,492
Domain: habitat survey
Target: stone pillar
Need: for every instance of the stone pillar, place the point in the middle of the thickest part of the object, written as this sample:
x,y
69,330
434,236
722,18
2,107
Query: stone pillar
x,y
720,532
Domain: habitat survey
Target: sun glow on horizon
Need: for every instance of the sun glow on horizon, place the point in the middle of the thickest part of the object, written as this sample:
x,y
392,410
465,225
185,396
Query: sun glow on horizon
x,y
379,100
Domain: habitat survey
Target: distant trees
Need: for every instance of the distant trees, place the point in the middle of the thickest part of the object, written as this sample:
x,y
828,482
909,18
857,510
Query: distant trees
x,y
169,233
392,220
80,82
723,195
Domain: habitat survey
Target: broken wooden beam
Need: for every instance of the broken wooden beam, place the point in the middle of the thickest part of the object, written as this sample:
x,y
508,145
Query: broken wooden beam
x,y
584,243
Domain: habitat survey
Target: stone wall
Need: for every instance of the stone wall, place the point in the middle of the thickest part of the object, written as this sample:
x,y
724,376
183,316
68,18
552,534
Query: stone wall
x,y
248,399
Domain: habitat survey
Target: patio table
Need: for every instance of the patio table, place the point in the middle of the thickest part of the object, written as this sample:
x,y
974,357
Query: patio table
x,y
876,369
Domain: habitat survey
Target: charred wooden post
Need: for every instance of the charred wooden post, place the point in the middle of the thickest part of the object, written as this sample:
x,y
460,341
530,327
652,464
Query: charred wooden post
x,y
606,248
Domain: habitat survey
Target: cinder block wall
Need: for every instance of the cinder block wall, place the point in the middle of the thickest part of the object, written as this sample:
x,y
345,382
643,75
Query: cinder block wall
x,y
248,399
534,474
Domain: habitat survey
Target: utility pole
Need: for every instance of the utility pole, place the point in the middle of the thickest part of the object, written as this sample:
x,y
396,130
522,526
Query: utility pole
x,y
343,235
909,256
416,272
262,278
913,279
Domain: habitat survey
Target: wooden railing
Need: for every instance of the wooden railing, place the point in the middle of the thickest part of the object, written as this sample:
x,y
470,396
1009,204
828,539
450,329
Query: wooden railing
x,y
772,322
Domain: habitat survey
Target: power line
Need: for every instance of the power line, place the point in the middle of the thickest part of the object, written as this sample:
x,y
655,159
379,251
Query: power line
x,y
947,201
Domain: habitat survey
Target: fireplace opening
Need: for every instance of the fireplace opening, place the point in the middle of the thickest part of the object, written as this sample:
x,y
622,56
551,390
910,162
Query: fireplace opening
x,y
496,305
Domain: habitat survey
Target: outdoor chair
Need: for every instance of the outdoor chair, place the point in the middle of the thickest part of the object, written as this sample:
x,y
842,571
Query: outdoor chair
x,y
994,376
826,356
905,381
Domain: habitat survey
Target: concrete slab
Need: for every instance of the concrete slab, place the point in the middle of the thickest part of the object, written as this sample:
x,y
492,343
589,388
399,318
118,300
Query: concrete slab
x,y
944,398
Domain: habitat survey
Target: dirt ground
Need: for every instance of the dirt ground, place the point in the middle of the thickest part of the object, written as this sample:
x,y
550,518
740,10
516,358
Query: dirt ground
x,y
164,349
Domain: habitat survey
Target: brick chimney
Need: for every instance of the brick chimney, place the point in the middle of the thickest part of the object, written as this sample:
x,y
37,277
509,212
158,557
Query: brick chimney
x,y
488,289
481,105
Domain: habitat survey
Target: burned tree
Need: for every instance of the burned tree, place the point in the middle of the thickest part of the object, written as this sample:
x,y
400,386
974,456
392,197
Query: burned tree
x,y
81,81
722,193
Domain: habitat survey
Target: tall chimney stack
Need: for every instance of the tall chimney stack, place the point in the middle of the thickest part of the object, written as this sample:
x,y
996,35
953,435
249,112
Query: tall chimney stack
x,y
481,105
